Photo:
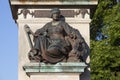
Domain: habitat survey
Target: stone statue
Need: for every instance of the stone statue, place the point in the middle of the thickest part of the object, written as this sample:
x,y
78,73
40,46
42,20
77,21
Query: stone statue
x,y
57,42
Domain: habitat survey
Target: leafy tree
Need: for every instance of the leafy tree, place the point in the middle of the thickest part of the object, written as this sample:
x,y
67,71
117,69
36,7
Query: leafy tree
x,y
105,53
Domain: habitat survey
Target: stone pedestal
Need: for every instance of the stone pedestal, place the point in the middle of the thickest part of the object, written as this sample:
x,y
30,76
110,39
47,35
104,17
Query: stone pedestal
x,y
59,71
77,14
55,76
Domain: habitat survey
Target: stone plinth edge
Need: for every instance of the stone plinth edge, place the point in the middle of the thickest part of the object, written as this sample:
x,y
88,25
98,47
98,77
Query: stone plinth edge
x,y
38,68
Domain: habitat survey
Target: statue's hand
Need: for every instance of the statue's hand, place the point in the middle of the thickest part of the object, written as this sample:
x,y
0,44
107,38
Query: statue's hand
x,y
33,53
73,51
36,35
27,29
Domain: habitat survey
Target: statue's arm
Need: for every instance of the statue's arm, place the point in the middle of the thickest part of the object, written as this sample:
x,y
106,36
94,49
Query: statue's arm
x,y
72,32
76,39
67,28
41,31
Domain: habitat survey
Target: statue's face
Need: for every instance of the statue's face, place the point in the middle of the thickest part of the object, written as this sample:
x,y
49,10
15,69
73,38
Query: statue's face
x,y
55,16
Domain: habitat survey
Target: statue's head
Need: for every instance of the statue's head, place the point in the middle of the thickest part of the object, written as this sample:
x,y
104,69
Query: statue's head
x,y
55,10
55,13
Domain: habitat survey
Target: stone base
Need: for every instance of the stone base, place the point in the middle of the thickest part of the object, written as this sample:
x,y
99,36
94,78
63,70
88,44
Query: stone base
x,y
55,76
59,71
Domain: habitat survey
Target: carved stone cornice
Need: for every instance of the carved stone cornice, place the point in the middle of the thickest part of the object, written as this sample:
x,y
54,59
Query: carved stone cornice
x,y
16,4
46,13
69,13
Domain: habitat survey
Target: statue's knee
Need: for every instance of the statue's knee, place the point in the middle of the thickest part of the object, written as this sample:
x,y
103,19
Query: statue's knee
x,y
51,50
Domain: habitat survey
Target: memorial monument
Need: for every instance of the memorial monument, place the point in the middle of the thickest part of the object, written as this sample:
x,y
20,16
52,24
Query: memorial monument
x,y
53,38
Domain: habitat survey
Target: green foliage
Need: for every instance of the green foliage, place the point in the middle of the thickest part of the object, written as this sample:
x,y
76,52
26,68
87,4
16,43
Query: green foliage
x,y
105,54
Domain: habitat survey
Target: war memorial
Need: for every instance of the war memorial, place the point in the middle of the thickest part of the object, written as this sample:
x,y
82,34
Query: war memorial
x,y
54,38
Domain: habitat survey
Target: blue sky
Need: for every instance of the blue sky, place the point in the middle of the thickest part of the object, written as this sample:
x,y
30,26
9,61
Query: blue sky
x,y
8,43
